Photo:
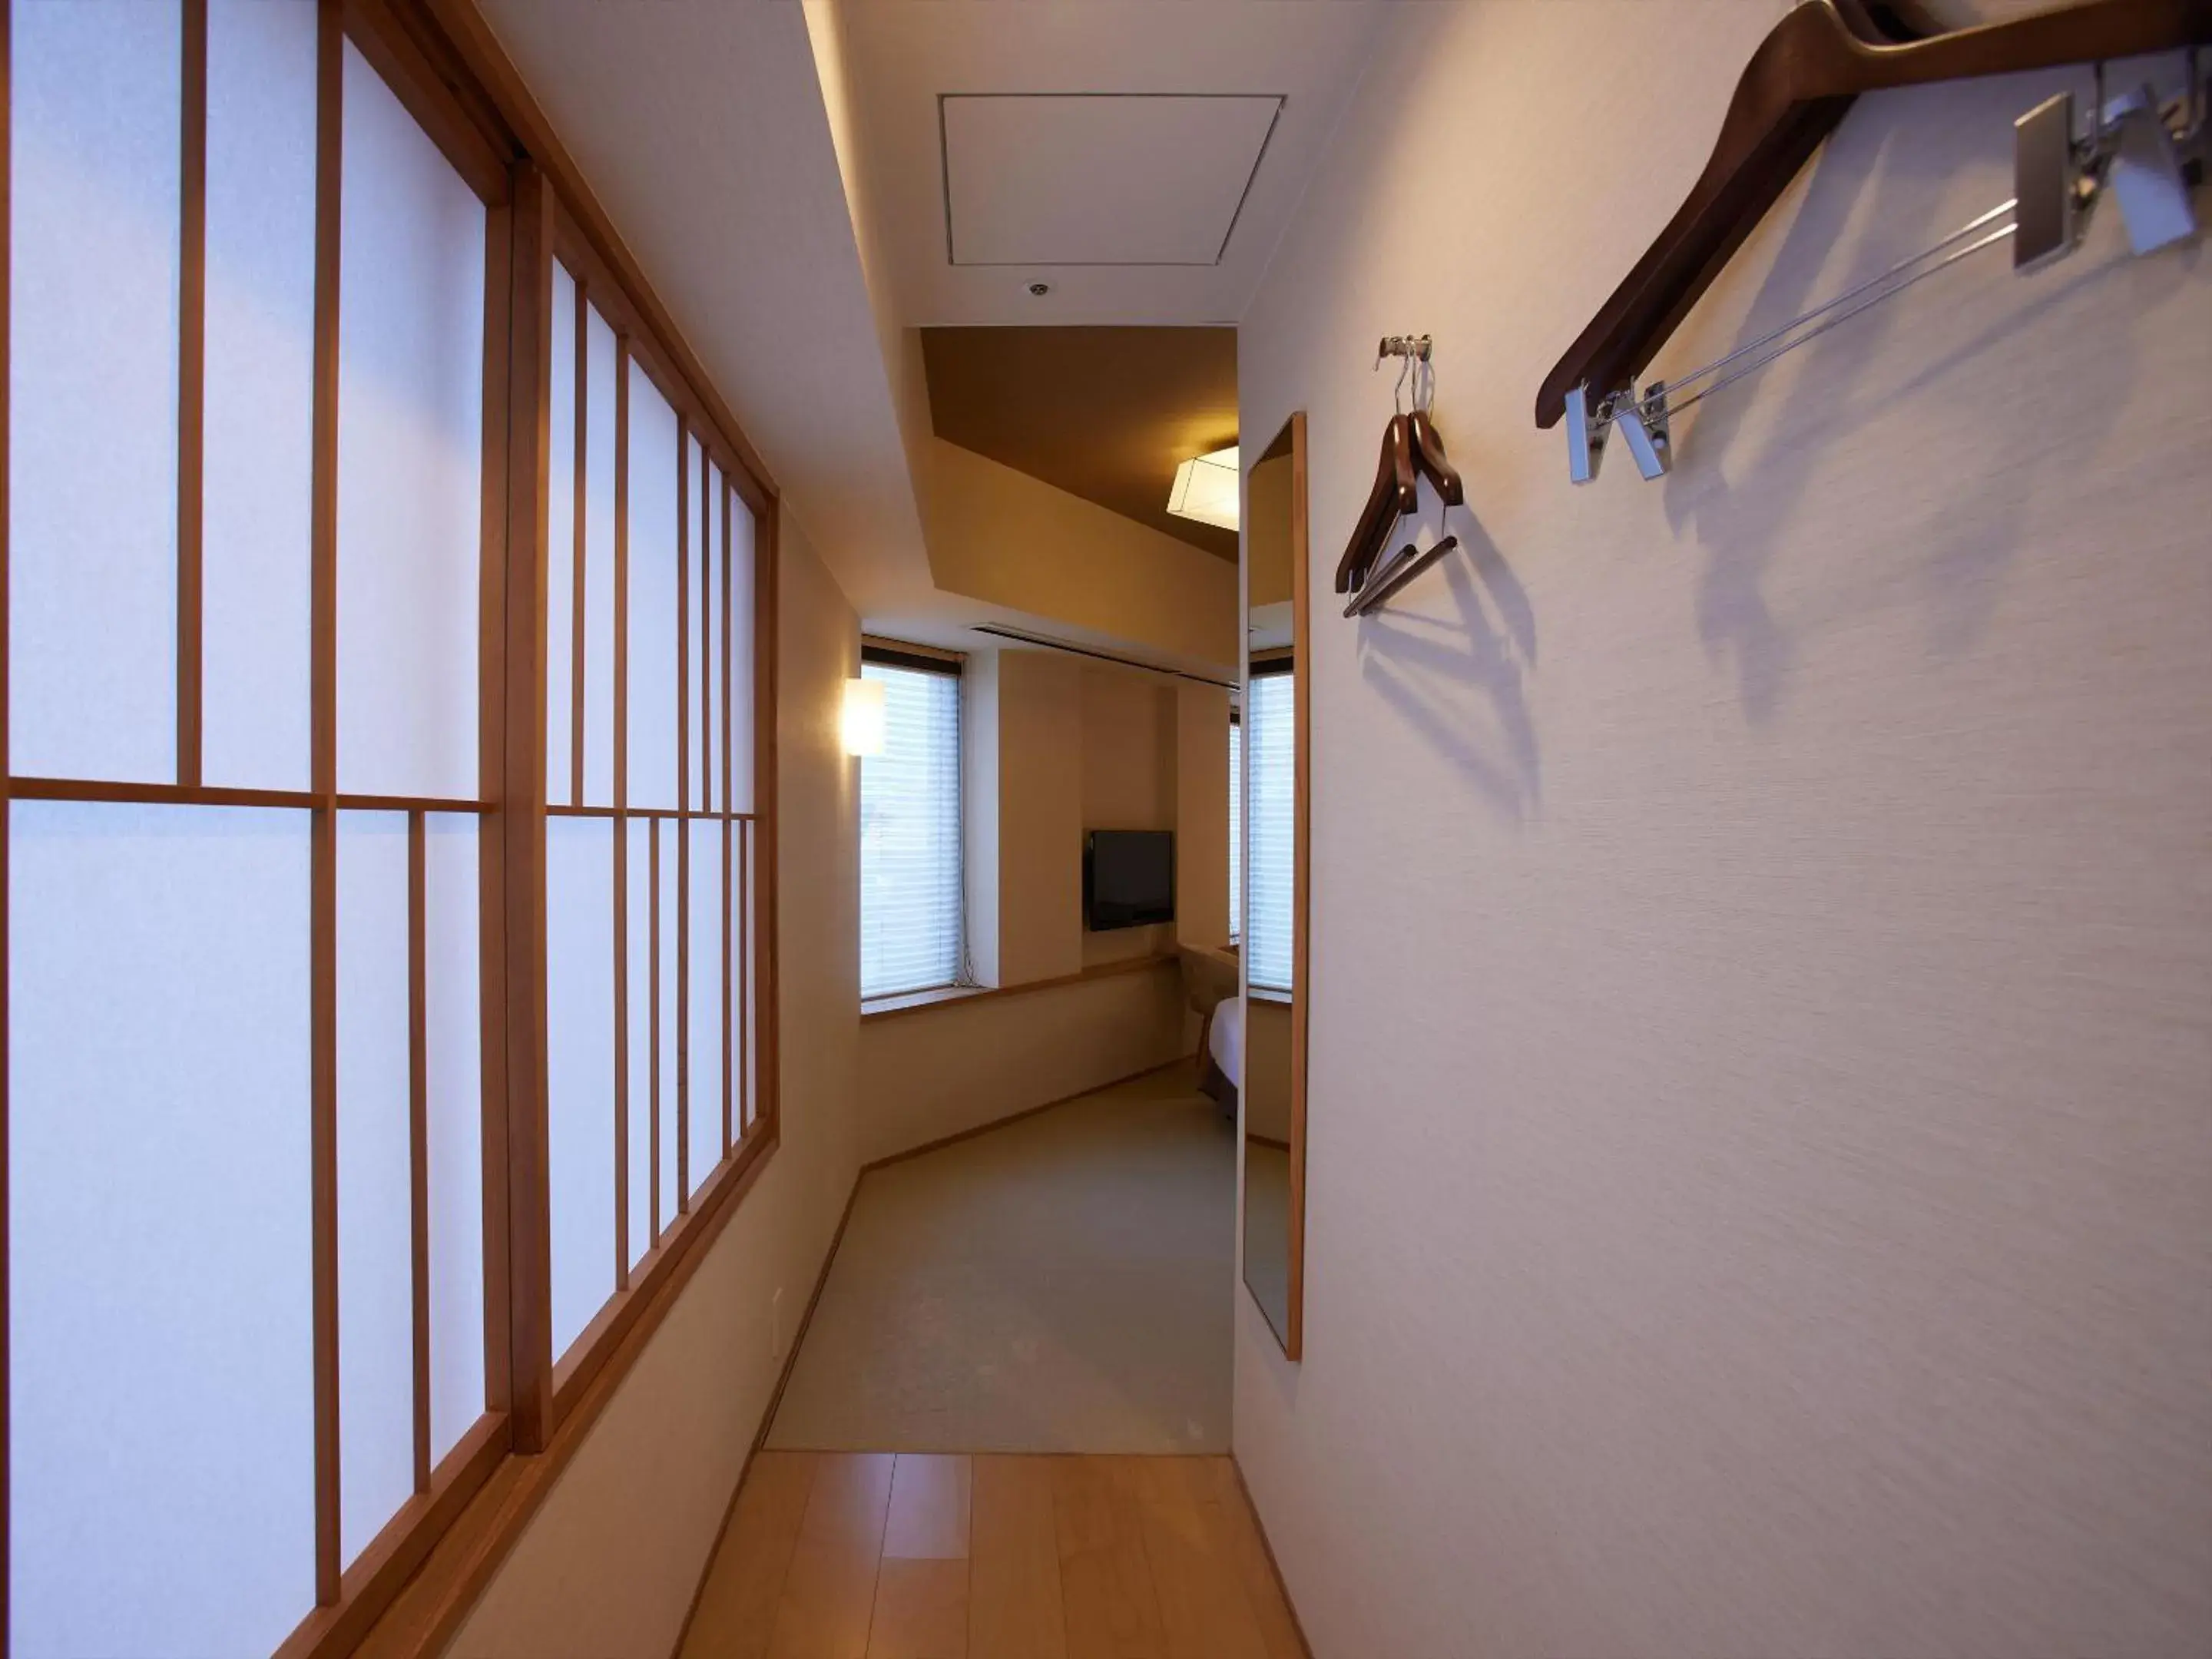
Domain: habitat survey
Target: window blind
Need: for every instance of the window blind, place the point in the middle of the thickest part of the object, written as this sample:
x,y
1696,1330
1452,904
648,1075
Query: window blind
x,y
910,877
1236,827
1270,752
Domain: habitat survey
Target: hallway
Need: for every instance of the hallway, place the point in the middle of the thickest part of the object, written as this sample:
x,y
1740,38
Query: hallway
x,y
1061,1283
991,1557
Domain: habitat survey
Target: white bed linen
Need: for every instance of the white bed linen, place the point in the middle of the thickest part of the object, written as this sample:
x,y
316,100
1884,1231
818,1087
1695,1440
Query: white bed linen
x,y
1226,1041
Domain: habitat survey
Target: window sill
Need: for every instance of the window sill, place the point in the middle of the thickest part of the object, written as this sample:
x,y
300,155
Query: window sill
x,y
915,1002
907,1001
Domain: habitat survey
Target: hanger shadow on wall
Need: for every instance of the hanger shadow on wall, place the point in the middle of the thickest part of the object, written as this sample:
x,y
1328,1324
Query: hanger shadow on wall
x,y
1799,84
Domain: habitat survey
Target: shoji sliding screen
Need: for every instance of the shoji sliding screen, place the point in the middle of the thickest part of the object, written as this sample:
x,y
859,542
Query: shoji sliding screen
x,y
652,856
246,473
386,817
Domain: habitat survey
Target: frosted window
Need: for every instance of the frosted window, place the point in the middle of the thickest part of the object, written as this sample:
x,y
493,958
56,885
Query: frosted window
x,y
256,555
580,1004
453,1040
741,660
670,898
411,433
598,561
92,382
1271,738
640,877
910,879
652,620
561,544
706,1000
162,1476
1236,829
376,1302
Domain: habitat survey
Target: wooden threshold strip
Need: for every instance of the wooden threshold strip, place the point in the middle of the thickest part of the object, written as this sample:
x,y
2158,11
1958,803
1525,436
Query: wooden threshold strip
x,y
963,996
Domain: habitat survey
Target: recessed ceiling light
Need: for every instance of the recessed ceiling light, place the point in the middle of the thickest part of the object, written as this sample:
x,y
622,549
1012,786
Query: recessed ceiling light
x,y
1205,488
1040,289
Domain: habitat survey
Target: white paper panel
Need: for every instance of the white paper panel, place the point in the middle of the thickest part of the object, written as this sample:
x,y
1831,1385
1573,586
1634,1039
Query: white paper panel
x,y
747,1061
712,639
256,553
411,433
376,1308
162,1396
742,655
671,895
579,1004
599,562
92,383
706,1000
640,878
652,620
696,611
560,543
453,1035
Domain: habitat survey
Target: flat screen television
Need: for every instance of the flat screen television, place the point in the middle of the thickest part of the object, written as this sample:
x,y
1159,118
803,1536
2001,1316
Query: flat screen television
x,y
1128,877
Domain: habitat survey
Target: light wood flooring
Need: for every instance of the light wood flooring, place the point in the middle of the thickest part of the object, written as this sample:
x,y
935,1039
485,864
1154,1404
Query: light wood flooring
x,y
837,1555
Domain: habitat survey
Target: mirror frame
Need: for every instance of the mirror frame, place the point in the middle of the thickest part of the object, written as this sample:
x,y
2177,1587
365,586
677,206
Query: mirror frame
x,y
1291,439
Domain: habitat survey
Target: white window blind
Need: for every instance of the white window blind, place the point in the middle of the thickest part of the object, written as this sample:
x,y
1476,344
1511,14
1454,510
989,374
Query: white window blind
x,y
910,887
1236,828
1271,746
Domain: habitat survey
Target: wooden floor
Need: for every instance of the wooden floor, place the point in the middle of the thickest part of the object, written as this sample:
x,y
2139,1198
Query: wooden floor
x,y
834,1555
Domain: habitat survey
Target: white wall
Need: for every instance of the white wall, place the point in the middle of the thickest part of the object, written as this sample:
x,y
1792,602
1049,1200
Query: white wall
x,y
979,810
1130,771
1761,1091
607,1566
1201,815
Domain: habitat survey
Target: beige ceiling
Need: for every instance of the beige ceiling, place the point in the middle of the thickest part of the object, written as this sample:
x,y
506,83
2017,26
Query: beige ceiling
x,y
1102,413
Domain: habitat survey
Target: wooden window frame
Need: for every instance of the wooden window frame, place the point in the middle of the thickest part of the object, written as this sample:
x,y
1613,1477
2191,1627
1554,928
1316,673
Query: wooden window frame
x,y
637,1284
442,63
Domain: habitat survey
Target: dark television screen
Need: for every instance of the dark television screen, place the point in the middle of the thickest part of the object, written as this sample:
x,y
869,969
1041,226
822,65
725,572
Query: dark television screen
x,y
1128,877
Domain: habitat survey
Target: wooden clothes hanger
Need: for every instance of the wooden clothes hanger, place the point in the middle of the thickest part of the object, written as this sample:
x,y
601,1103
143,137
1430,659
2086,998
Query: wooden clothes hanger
x,y
1797,87
1410,445
1392,496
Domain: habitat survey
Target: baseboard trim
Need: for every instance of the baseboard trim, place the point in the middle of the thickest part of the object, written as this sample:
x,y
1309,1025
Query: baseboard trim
x,y
943,1141
1267,1545
768,1420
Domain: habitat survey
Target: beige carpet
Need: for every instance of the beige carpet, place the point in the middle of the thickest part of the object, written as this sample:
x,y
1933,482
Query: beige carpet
x,y
1060,1284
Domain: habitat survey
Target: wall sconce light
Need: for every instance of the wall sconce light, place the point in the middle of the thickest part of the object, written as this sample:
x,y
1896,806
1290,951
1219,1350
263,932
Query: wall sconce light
x,y
861,720
1205,488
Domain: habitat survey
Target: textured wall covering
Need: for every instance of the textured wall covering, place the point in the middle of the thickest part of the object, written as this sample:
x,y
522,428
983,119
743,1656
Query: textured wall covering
x,y
1761,1114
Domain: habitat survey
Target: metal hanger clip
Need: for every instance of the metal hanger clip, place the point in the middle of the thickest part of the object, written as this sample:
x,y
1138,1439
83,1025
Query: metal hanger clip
x,y
2148,155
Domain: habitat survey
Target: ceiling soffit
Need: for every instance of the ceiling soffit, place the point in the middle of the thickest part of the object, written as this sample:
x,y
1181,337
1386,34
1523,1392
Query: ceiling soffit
x,y
1103,413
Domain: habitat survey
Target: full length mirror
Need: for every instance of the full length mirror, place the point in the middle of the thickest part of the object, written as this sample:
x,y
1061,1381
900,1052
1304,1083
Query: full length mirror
x,y
1273,753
